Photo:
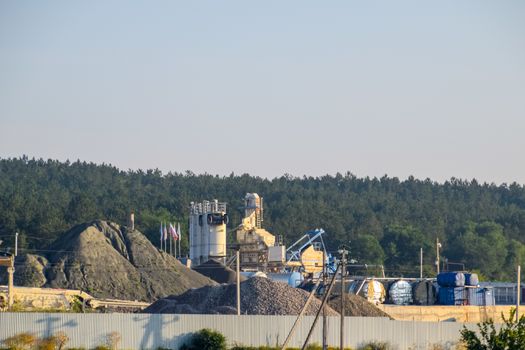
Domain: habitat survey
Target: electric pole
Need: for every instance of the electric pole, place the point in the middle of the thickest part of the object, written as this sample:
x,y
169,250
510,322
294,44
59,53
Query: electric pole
x,y
421,263
238,273
324,308
16,243
343,253
518,294
438,245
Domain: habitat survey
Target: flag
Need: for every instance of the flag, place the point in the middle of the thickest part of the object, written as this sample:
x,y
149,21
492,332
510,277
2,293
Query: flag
x,y
179,232
165,232
161,232
173,232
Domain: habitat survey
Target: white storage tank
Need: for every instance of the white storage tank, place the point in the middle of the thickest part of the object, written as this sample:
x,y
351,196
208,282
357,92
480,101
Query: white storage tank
x,y
372,290
208,222
400,293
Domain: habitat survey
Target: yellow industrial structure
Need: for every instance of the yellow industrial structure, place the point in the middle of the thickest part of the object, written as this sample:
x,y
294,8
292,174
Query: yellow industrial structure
x,y
260,251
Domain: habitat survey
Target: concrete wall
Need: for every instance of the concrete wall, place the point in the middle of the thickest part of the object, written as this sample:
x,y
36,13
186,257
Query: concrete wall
x,y
149,331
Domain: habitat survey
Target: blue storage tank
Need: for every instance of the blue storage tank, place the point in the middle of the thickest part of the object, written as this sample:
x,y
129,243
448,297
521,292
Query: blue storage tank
x,y
453,296
293,279
451,279
471,279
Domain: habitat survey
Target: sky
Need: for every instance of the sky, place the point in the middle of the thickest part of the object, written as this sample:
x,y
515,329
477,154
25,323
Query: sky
x,y
429,89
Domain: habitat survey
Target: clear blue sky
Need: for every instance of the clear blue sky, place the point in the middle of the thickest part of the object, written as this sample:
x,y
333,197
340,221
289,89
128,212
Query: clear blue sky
x,y
430,89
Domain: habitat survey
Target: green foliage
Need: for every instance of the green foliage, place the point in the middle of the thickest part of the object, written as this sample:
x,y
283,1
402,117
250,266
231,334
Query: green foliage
x,y
384,219
486,237
207,339
367,250
102,347
375,346
511,335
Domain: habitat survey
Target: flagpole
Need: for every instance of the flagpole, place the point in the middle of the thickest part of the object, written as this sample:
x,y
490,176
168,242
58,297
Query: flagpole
x,y
164,237
171,244
180,239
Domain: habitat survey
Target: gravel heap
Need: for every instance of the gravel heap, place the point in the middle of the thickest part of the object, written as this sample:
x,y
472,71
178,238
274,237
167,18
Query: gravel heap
x,y
356,305
111,261
259,296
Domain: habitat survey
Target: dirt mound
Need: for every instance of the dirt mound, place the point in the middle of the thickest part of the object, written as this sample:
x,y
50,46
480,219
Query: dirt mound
x,y
110,261
356,305
259,296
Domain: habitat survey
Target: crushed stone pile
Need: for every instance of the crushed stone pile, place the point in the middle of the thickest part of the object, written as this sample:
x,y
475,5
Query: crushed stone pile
x,y
356,305
107,260
259,296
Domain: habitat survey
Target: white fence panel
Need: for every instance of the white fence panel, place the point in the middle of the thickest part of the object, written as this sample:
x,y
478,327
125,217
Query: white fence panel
x,y
150,331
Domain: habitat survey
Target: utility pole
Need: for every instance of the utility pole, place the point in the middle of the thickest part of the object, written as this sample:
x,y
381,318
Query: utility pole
x,y
343,252
438,245
324,308
421,263
238,282
16,243
518,294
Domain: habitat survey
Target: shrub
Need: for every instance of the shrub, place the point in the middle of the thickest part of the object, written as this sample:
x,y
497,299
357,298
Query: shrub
x,y
22,341
47,344
102,347
511,334
375,346
206,339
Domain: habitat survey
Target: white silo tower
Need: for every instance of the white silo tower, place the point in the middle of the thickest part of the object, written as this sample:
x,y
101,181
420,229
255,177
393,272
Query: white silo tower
x,y
208,222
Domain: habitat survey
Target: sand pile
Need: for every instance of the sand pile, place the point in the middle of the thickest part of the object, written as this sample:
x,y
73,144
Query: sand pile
x,y
356,305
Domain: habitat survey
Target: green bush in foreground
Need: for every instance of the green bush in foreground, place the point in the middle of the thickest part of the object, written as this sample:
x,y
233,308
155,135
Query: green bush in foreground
x,y
206,339
510,336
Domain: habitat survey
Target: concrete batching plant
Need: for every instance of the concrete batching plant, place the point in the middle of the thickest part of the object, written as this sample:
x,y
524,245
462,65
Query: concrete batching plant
x,y
259,250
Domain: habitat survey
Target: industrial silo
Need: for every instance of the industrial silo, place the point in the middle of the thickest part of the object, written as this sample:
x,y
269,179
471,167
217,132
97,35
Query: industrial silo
x,y
208,231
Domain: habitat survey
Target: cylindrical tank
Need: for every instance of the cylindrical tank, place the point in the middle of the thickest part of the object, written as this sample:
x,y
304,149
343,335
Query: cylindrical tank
x,y
293,279
400,293
372,290
216,234
195,239
471,279
451,279
424,293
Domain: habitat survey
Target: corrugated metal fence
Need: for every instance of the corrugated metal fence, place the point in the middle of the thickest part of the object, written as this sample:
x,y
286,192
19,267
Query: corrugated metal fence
x,y
149,331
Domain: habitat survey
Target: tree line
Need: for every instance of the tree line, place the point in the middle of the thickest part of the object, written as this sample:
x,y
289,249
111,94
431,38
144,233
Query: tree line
x,y
383,220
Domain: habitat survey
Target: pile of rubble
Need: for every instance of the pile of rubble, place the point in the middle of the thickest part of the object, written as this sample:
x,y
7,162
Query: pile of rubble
x,y
259,296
